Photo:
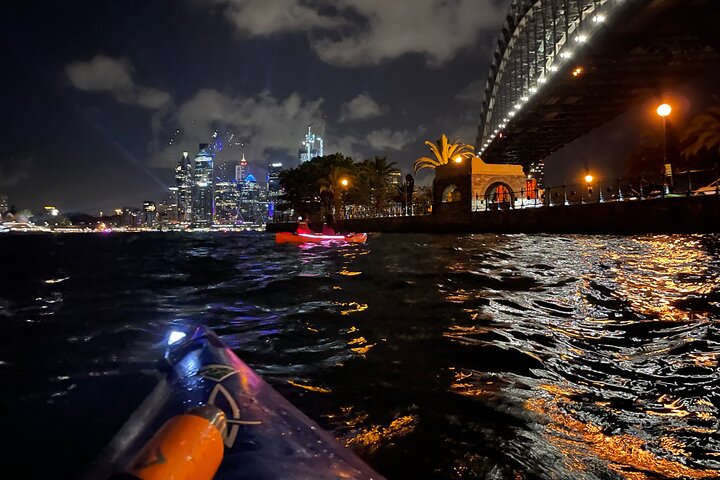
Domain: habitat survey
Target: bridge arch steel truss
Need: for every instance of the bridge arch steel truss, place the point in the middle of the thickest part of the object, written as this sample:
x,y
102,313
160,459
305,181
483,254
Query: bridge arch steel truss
x,y
537,39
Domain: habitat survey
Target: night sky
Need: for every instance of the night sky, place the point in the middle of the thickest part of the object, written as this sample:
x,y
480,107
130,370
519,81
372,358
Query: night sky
x,y
95,91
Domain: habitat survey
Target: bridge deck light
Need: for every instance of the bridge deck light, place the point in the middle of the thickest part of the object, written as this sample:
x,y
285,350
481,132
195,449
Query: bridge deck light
x,y
599,18
533,90
581,38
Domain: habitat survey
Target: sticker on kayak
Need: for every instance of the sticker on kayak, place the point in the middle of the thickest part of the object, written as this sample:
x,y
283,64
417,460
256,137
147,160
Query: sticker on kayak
x,y
217,373
233,420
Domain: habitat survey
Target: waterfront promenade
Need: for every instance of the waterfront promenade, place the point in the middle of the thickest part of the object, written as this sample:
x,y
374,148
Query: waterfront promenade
x,y
695,214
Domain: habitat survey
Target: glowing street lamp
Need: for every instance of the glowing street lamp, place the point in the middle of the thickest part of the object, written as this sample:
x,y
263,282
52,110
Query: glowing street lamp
x,y
589,179
458,159
664,111
344,182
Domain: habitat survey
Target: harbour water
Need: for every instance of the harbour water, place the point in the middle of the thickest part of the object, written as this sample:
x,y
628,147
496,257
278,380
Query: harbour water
x,y
476,356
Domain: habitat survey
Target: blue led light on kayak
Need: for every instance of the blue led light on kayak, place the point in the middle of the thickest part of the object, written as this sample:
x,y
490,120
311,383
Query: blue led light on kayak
x,y
176,336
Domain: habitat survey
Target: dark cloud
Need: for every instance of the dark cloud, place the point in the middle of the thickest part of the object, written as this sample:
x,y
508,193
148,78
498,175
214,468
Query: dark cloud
x,y
362,107
13,171
355,33
473,93
114,76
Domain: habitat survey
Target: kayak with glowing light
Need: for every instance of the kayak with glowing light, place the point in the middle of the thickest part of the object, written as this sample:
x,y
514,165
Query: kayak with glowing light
x,y
213,417
288,237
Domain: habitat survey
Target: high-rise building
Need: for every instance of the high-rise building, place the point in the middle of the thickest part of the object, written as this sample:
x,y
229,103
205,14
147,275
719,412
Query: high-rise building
x,y
253,202
537,171
202,188
227,198
241,170
312,147
4,207
274,190
149,214
273,179
183,188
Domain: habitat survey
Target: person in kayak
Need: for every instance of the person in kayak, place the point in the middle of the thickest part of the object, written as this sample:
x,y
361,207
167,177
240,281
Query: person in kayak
x,y
302,227
329,227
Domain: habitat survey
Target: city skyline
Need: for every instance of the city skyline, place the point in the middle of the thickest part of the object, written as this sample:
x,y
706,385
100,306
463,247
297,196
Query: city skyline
x,y
108,100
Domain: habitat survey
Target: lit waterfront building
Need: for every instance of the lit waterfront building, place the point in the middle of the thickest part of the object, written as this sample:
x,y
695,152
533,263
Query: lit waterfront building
x,y
202,188
241,170
167,212
183,188
312,147
4,207
130,217
149,214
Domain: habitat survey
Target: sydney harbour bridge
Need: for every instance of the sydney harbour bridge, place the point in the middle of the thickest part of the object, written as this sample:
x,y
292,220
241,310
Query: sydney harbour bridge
x,y
563,67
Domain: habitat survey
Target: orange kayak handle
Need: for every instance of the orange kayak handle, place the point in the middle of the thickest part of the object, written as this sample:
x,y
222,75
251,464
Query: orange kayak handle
x,y
187,447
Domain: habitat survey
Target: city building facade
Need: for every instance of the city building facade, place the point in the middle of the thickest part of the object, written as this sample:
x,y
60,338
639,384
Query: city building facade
x,y
203,198
183,188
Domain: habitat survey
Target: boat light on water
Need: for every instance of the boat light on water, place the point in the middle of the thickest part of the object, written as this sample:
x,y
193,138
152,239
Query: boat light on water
x,y
212,416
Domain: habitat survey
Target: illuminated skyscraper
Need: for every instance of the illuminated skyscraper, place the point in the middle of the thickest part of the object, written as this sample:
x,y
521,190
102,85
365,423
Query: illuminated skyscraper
x,y
183,188
202,188
312,147
273,186
241,170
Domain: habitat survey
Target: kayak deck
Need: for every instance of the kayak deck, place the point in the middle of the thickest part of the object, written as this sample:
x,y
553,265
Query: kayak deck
x,y
266,438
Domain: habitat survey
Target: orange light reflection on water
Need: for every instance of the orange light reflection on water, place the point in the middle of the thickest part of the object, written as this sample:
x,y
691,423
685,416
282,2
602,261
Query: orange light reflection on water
x,y
576,439
656,271
371,438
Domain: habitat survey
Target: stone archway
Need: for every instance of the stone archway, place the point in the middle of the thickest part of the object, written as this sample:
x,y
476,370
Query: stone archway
x,y
499,195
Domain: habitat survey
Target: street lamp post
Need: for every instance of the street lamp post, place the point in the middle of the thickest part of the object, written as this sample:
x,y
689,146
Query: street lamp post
x,y
664,111
344,182
588,180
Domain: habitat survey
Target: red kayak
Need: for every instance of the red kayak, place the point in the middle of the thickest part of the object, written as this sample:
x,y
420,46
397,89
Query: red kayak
x,y
289,237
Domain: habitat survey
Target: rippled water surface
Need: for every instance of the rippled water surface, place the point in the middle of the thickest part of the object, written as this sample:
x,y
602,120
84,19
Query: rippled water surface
x,y
481,356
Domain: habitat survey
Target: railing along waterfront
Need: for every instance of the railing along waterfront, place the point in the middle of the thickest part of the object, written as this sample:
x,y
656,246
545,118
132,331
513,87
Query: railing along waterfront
x,y
618,190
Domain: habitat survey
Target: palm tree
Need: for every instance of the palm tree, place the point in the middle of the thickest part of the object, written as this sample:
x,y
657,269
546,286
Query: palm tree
x,y
703,133
335,183
377,173
444,152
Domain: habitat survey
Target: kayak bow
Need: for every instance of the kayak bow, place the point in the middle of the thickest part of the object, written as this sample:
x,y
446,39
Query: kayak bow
x,y
264,436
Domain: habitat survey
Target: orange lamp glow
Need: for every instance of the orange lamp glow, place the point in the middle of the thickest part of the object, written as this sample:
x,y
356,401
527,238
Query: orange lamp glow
x,y
664,110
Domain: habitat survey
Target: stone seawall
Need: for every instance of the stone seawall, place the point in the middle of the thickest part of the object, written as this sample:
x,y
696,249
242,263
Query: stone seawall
x,y
697,214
